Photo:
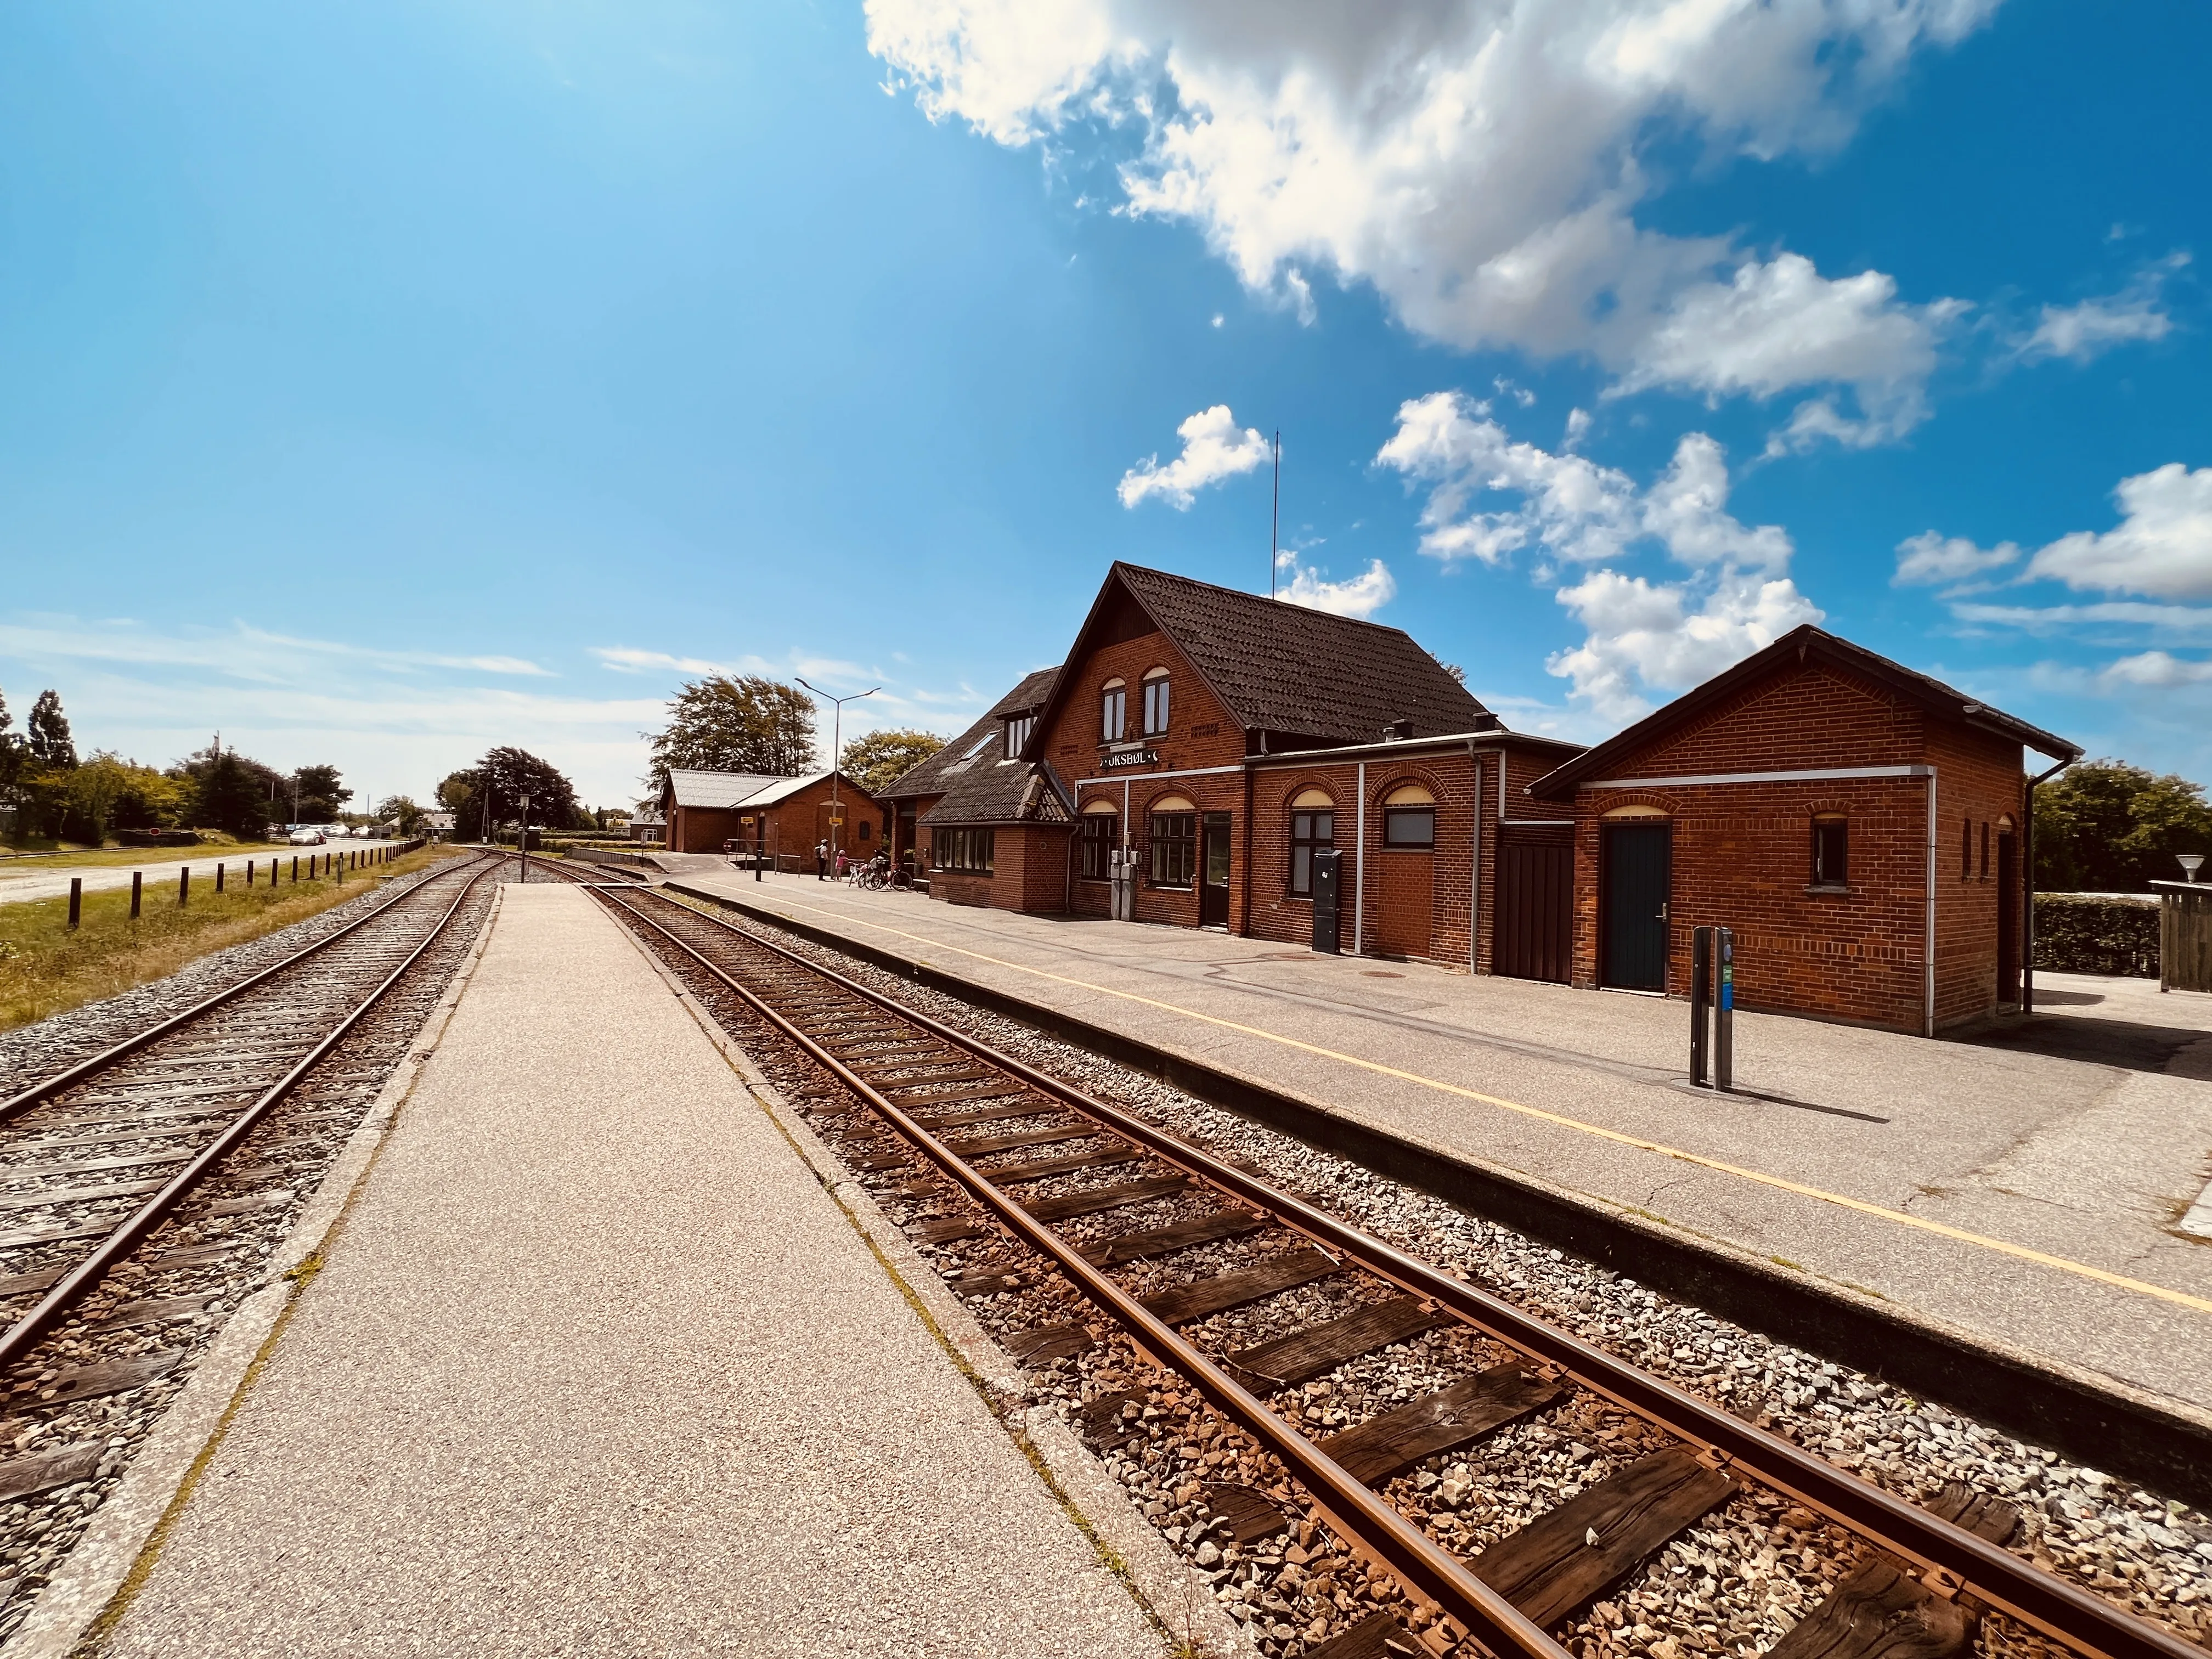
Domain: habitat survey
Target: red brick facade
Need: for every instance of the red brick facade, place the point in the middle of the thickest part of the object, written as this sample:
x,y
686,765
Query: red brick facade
x,y
790,828
1547,861
1741,852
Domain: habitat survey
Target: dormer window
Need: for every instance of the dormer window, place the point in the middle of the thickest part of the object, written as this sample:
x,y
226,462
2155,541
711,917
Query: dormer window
x,y
1113,710
1156,703
1017,734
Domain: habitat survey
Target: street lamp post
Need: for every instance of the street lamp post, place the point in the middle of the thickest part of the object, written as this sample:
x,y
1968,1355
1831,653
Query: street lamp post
x,y
2189,862
837,755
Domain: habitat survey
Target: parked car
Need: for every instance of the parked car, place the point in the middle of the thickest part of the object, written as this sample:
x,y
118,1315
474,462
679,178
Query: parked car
x,y
306,835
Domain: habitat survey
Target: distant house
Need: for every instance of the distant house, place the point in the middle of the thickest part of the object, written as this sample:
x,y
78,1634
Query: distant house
x,y
647,824
784,818
435,823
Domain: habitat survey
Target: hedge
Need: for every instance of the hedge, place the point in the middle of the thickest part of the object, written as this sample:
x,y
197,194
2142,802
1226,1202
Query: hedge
x,y
2096,933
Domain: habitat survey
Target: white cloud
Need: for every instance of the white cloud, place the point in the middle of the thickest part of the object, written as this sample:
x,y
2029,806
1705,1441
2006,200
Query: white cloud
x,y
1480,165
2080,332
1640,635
1644,634
1212,449
1569,506
2053,618
2157,668
1930,558
1355,596
2161,548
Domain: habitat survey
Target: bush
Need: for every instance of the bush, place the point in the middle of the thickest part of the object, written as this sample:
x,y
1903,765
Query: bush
x,y
2094,933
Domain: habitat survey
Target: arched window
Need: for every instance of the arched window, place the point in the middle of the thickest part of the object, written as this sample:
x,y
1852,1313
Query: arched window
x,y
1409,818
1097,835
1113,710
1313,830
1156,703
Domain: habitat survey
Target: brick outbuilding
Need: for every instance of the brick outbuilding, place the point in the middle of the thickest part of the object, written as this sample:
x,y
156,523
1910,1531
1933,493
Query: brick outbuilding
x,y
1862,828
785,818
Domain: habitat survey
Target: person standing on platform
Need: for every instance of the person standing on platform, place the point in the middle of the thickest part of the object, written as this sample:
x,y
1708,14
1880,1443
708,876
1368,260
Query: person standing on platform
x,y
820,860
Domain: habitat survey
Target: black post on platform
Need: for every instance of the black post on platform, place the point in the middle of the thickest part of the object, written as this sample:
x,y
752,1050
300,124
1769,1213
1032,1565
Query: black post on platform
x,y
218,878
183,884
76,899
1701,1000
1326,886
1724,1009
137,891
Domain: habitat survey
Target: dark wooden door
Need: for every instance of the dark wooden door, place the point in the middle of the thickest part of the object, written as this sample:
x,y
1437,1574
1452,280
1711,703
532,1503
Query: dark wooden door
x,y
1535,910
1213,872
2008,920
1633,887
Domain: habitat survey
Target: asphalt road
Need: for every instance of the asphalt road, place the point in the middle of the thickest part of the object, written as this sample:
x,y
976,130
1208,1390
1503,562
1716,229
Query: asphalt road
x,y
160,868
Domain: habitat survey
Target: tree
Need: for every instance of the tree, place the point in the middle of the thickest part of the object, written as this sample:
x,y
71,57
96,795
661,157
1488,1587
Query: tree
x,y
321,796
874,759
51,746
751,724
400,810
2107,827
238,796
108,792
15,758
506,776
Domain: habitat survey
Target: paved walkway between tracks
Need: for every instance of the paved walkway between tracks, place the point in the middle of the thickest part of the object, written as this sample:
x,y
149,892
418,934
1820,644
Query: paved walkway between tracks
x,y
596,1366
27,881
2028,1187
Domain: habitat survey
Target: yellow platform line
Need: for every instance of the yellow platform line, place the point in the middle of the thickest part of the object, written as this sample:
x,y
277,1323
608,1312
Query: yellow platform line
x,y
2081,1269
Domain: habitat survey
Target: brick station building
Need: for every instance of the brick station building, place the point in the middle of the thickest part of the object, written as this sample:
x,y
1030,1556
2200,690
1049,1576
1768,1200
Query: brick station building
x,y
1861,828
1808,799
784,817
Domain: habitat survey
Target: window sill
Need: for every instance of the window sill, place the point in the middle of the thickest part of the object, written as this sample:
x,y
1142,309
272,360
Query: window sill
x,y
1164,887
1829,890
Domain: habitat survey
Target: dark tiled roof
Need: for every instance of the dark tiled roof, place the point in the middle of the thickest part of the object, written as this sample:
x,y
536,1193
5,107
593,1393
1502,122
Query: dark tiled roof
x,y
938,774
1034,692
1001,791
1804,643
1283,668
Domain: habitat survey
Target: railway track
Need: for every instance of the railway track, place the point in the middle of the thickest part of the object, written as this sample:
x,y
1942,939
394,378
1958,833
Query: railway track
x,y
1011,1178
136,1183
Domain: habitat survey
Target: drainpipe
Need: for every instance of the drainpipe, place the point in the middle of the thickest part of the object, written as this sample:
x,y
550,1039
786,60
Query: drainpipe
x,y
1245,831
2027,893
1474,881
1359,869
1928,1017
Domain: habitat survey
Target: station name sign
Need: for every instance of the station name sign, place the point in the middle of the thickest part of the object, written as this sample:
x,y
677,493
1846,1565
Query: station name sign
x,y
1132,757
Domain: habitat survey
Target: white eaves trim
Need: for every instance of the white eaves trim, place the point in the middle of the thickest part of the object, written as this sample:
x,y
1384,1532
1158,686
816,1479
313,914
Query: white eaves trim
x,y
1818,775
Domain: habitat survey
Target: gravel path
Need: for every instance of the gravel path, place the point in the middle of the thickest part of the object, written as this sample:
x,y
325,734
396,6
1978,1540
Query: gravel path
x,y
596,1367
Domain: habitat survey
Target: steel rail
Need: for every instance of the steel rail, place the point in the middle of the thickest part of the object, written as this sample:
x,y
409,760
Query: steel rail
x,y
25,1331
24,1099
1350,1506
2085,1622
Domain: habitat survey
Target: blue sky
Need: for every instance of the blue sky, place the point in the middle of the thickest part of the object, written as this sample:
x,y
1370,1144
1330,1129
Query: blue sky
x,y
378,383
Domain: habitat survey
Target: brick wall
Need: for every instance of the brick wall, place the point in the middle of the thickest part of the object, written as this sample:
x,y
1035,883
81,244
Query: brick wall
x,y
1028,865
1200,734
1979,782
1742,852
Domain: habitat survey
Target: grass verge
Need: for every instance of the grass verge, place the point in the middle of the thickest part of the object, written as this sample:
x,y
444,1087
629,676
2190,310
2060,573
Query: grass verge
x,y
47,969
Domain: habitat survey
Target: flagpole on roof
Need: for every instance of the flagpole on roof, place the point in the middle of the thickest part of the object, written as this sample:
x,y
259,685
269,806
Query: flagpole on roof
x,y
1275,512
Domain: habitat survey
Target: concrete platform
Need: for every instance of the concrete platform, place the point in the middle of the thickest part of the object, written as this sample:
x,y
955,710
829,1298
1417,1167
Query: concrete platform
x,y
2027,1188
596,1366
